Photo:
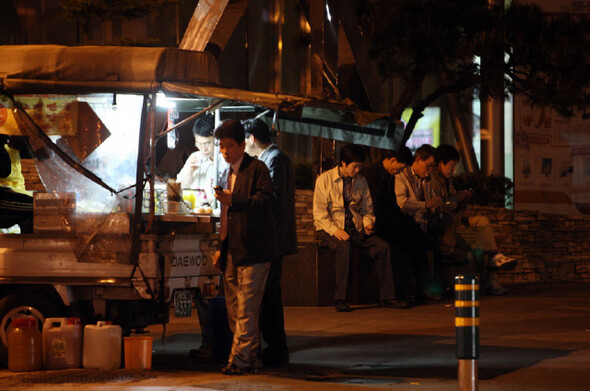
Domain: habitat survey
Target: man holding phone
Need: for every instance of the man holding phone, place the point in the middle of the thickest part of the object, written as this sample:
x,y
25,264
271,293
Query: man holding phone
x,y
247,244
343,217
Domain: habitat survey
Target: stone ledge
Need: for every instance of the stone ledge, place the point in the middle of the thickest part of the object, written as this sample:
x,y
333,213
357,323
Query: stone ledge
x,y
549,247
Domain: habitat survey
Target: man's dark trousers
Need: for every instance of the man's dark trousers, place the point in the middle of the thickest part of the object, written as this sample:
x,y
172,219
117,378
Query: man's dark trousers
x,y
272,321
375,247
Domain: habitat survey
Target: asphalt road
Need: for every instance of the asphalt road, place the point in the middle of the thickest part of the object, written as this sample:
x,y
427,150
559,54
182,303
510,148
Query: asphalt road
x,y
536,338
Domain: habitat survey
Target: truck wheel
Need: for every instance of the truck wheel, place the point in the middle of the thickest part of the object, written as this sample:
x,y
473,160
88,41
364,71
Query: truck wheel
x,y
19,306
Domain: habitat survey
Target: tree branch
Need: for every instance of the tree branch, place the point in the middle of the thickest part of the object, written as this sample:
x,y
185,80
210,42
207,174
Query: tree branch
x,y
424,103
406,97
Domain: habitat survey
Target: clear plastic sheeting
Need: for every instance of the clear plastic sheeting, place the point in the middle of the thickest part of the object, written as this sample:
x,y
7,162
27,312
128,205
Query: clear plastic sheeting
x,y
103,238
114,160
96,237
97,220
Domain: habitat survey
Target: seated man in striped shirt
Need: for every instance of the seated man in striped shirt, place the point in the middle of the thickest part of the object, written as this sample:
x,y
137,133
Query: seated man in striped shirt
x,y
16,203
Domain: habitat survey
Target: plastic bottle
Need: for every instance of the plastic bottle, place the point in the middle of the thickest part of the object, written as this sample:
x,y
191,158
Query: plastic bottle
x,y
24,346
102,346
192,200
62,343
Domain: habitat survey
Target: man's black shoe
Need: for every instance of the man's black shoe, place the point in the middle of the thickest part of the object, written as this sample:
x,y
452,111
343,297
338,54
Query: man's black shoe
x,y
417,300
431,296
342,306
275,358
203,353
451,259
398,303
275,363
232,369
449,292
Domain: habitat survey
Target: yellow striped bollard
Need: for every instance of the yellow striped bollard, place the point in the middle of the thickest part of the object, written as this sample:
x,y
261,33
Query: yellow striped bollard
x,y
467,330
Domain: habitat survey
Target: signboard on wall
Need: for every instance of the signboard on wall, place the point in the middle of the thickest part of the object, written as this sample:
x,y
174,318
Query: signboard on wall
x,y
558,6
551,160
55,115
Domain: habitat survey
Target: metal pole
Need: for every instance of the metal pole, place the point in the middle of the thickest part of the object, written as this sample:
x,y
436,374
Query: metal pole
x,y
140,171
492,109
467,330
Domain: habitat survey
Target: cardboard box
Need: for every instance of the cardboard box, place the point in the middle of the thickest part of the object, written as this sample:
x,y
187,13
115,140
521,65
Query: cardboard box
x,y
53,223
54,212
54,203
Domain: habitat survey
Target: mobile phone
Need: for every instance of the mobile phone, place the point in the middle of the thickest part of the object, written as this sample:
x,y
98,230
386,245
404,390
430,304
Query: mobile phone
x,y
218,189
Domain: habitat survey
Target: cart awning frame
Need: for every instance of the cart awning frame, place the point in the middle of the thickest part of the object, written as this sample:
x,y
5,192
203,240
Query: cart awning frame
x,y
55,69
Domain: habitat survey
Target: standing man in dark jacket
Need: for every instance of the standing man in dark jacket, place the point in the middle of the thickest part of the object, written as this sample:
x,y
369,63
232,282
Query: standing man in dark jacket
x,y
272,322
245,234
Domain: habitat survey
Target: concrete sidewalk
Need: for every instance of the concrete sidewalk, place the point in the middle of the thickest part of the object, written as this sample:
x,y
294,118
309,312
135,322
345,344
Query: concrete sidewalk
x,y
537,337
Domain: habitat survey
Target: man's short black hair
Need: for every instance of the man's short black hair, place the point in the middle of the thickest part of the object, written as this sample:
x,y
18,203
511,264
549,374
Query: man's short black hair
x,y
425,151
447,153
406,155
392,154
352,153
230,128
204,125
259,129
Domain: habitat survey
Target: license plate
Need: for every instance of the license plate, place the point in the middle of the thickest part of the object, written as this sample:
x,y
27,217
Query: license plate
x,y
183,303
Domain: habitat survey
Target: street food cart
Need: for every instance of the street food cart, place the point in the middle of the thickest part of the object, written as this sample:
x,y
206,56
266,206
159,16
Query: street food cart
x,y
104,244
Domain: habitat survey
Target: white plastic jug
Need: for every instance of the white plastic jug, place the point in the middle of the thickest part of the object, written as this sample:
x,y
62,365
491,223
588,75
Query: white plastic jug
x,y
62,343
102,346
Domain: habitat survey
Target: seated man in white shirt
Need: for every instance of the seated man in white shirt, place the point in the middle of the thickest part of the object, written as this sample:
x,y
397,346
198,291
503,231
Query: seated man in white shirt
x,y
343,217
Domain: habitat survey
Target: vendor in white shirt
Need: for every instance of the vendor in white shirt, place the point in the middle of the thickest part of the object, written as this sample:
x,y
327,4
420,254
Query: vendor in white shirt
x,y
199,171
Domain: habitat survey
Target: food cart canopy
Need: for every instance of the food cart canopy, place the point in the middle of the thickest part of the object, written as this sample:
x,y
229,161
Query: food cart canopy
x,y
44,69
54,69
311,116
